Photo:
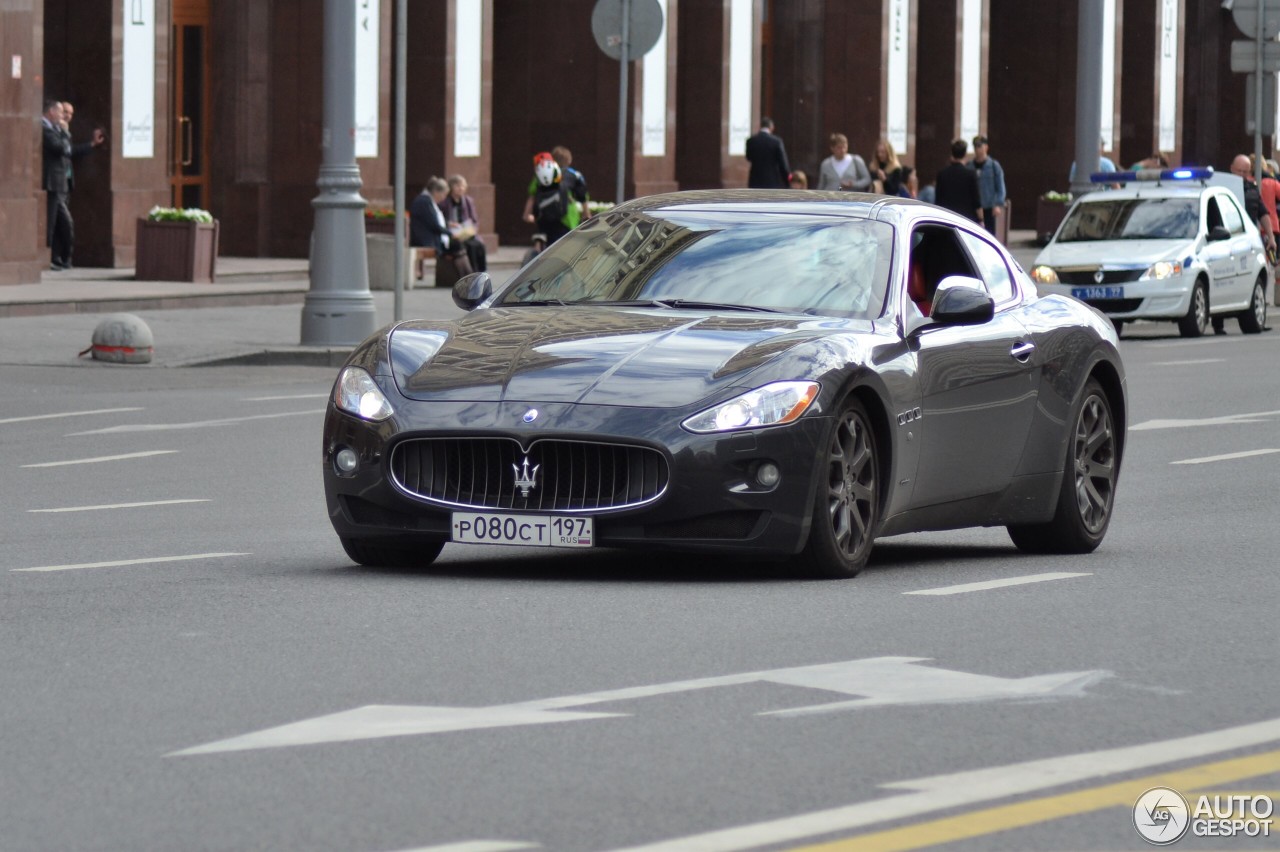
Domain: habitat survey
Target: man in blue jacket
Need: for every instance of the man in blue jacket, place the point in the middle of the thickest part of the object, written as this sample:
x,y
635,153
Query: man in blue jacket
x,y
990,183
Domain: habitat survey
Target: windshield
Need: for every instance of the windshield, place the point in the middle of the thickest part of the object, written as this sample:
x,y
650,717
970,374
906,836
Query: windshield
x,y
1132,219
795,263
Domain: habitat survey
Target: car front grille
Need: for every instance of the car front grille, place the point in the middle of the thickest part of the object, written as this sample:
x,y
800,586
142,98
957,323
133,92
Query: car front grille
x,y
1114,306
1084,277
553,476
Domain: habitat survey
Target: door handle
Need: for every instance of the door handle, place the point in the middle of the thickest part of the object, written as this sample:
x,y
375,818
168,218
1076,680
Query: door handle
x,y
1022,351
184,124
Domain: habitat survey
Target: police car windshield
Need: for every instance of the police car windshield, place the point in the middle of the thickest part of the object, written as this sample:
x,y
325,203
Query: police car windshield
x,y
1132,219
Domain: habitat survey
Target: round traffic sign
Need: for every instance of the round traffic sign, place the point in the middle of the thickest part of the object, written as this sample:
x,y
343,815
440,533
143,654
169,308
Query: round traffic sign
x,y
644,26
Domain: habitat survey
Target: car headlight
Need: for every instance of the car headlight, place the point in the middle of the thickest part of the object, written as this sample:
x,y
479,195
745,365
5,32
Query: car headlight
x,y
356,393
1164,269
1044,275
771,405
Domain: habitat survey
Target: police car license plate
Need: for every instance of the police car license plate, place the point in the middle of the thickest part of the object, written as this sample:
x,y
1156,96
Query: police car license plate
x,y
1098,292
523,530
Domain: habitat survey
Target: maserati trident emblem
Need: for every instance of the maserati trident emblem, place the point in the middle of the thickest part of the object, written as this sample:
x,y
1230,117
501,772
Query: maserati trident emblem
x,y
526,477
1097,277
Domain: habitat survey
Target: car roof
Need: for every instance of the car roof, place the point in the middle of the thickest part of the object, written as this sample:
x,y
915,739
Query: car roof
x,y
853,205
1149,189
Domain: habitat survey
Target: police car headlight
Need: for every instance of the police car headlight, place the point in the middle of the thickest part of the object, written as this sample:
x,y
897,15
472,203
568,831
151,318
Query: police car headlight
x,y
1044,275
356,393
1164,269
771,405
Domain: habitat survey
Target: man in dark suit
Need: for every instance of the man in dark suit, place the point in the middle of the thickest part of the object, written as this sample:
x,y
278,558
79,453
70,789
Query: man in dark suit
x,y
59,231
768,158
957,185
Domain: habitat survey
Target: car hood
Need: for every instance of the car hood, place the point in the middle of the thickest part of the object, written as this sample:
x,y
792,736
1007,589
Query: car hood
x,y
626,357
1121,253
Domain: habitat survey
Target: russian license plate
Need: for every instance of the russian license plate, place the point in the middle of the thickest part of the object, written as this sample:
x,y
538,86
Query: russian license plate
x,y
522,530
1098,292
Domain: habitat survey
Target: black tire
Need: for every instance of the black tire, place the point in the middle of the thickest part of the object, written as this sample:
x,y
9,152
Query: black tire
x,y
384,554
1197,318
846,502
1087,494
1254,320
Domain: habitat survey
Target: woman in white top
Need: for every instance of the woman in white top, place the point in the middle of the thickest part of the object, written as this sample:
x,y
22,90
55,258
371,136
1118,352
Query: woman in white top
x,y
843,170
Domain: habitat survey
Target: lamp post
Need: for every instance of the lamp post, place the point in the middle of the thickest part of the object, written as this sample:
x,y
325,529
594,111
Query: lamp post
x,y
338,309
1088,94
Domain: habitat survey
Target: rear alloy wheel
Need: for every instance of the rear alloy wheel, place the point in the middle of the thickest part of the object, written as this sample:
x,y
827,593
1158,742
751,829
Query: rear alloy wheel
x,y
1088,487
386,554
846,504
1197,318
1254,320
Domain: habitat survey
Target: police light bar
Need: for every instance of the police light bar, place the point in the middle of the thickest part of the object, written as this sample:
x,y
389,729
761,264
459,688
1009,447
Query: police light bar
x,y
1196,173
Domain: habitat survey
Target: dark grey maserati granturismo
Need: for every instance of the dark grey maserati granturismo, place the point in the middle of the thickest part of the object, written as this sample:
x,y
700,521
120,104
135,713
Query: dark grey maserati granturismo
x,y
790,374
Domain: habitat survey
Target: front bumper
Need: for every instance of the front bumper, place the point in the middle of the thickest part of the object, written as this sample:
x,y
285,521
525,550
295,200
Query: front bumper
x,y
712,501
1163,299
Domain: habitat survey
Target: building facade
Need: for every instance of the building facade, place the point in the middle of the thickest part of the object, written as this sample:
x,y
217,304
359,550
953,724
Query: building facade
x,y
218,103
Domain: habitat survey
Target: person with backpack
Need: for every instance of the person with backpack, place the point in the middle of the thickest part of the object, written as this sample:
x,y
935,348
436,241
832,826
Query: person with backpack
x,y
548,205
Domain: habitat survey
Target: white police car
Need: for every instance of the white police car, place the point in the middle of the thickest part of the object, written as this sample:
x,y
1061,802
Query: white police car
x,y
1171,244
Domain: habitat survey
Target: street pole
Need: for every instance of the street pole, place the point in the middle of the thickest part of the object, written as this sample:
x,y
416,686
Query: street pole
x,y
338,309
402,51
1257,97
625,62
1088,94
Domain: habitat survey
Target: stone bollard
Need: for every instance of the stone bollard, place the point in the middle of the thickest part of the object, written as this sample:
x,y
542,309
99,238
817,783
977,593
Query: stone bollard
x,y
122,339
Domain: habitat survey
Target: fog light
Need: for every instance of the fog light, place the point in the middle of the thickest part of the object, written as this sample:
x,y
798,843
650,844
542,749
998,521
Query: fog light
x,y
768,474
345,461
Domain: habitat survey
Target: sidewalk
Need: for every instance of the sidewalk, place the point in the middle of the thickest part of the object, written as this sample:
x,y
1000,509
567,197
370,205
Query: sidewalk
x,y
250,316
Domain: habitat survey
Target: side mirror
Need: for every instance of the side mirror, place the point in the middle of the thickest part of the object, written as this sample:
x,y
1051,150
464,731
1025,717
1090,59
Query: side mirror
x,y
961,300
472,289
1218,233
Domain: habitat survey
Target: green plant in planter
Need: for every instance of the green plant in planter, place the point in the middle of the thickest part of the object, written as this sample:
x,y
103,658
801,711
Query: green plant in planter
x,y
1062,197
179,214
380,213
598,207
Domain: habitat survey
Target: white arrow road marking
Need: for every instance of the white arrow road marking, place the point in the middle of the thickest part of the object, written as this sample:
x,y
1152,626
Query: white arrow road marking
x,y
122,505
881,681
199,424
67,414
1227,457
121,562
103,458
1228,419
960,789
999,584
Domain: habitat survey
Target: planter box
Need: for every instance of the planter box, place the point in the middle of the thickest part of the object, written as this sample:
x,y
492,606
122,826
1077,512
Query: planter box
x,y
385,226
176,251
1049,215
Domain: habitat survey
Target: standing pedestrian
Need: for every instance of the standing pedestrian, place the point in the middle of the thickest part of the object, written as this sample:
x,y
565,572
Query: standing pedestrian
x,y
957,185
768,158
991,190
60,234
886,169
843,170
575,183
548,206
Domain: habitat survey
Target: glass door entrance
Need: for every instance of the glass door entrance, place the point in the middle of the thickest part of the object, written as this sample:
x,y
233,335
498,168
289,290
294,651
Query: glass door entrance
x,y
189,134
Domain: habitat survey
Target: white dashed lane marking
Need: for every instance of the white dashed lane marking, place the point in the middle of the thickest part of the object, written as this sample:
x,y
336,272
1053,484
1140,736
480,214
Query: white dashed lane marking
x,y
1187,363
67,414
293,396
98,459
123,562
997,584
1227,457
199,424
121,505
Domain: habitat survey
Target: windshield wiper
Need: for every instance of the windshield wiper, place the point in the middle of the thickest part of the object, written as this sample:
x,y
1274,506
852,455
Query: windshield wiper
x,y
537,302
725,306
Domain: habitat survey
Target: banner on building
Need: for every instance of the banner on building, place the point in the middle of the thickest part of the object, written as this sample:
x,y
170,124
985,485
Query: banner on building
x,y
138,81
468,35
368,75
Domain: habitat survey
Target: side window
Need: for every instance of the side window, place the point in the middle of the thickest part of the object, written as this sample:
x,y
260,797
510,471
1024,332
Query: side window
x,y
991,267
935,254
1230,214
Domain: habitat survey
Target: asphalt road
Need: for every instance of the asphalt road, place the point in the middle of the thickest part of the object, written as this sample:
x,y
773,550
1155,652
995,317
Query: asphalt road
x,y
249,688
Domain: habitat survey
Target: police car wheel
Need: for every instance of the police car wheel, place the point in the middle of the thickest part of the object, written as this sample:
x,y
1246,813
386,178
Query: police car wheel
x,y
1254,320
1197,318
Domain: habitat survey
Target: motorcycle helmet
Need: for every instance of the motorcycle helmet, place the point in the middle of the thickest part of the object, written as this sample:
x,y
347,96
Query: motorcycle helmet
x,y
546,169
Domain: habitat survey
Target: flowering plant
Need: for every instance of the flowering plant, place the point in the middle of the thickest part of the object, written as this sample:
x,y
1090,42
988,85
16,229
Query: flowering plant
x,y
1056,196
380,213
179,214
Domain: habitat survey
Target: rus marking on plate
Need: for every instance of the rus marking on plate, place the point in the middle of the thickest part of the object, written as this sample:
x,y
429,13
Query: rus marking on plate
x,y
877,682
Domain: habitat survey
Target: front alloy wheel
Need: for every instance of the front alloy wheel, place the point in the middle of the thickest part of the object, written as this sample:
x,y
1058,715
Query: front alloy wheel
x,y
1254,320
1197,318
846,503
